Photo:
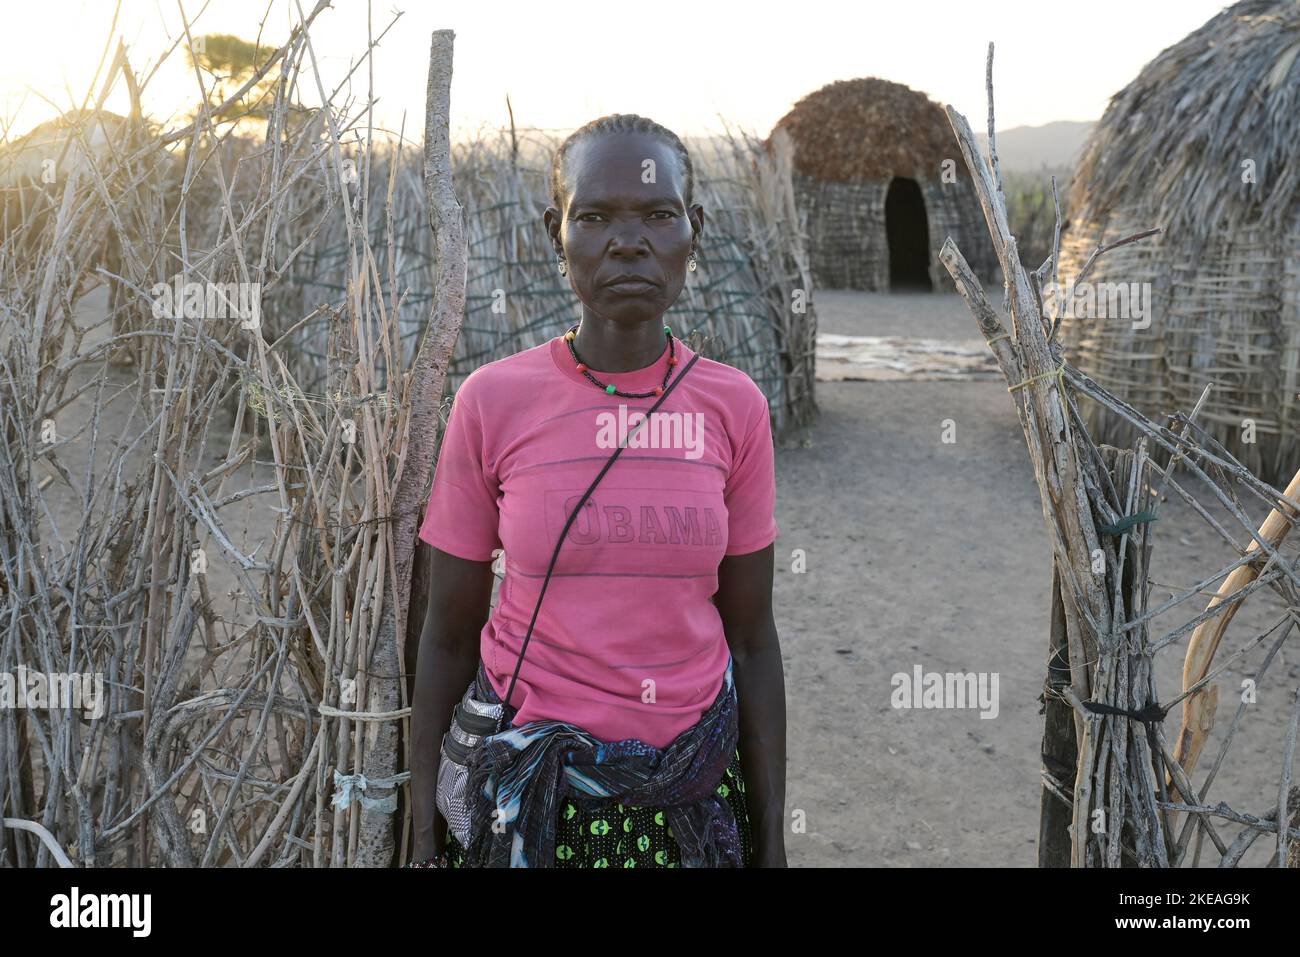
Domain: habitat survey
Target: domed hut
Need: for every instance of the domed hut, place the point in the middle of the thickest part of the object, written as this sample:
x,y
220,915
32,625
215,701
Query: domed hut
x,y
881,179
1202,144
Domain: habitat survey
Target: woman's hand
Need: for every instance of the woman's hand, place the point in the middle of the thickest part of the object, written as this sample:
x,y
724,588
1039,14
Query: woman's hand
x,y
771,860
768,835
432,844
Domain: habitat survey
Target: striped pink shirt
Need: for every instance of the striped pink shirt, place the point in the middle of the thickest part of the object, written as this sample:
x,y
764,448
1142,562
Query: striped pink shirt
x,y
628,643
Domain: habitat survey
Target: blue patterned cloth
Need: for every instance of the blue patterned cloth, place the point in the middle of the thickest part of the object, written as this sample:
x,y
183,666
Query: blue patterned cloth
x,y
518,777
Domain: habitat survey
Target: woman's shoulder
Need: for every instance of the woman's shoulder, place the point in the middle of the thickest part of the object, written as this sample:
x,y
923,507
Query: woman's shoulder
x,y
729,376
502,382
734,386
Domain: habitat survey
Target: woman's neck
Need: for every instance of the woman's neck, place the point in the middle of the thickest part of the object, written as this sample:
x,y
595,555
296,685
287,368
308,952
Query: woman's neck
x,y
606,346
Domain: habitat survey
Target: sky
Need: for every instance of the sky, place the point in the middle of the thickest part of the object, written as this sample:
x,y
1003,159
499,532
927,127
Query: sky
x,y
684,64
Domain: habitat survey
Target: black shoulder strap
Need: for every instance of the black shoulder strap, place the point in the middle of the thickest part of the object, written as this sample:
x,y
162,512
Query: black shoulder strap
x,y
574,514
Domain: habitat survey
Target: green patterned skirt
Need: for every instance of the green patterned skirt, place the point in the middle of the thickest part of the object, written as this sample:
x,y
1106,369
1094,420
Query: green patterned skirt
x,y
614,835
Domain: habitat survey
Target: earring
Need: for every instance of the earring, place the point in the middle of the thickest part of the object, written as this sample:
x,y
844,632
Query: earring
x,y
691,263
564,266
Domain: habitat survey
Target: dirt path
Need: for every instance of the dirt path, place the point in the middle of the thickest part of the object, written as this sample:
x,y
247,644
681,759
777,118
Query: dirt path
x,y
921,552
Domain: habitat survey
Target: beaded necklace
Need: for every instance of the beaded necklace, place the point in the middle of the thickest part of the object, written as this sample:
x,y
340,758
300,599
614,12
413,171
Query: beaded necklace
x,y
609,389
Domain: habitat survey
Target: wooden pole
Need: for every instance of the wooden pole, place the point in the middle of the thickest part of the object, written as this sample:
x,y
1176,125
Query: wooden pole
x,y
1060,753
1199,707
422,397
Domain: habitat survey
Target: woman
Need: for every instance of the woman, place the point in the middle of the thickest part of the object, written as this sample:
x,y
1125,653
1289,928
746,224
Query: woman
x,y
653,669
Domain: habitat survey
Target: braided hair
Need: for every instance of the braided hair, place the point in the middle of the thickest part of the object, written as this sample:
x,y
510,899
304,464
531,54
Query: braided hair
x,y
619,123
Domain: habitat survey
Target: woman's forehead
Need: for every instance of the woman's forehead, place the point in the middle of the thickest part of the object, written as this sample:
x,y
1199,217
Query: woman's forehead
x,y
612,166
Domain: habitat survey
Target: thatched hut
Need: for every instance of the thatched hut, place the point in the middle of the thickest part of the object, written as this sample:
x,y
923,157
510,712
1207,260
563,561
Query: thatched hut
x,y
35,155
35,167
879,176
1202,144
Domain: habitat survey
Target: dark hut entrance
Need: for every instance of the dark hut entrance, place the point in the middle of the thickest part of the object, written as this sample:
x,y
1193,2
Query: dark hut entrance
x,y
909,237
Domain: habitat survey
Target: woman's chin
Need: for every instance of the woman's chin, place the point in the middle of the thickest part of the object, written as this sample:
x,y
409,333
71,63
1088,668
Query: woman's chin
x,y
628,311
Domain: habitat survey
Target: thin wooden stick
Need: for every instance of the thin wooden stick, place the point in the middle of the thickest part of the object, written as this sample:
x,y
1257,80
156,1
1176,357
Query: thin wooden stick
x,y
1199,708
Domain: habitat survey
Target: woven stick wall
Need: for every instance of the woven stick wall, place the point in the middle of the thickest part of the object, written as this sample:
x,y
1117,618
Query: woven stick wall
x,y
1201,143
1230,316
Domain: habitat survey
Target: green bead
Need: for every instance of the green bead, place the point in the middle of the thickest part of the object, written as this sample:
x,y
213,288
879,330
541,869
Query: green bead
x,y
668,331
609,389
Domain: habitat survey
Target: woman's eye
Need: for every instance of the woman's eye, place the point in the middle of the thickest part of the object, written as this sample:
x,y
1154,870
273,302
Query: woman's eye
x,y
596,217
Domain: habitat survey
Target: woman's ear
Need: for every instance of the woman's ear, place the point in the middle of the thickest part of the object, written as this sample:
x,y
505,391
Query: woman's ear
x,y
551,220
697,220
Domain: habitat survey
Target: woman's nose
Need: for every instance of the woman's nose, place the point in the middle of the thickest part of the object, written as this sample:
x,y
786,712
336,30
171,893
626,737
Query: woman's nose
x,y
629,242
629,235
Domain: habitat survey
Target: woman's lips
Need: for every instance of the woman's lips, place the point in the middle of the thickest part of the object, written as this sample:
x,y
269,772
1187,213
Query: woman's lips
x,y
631,286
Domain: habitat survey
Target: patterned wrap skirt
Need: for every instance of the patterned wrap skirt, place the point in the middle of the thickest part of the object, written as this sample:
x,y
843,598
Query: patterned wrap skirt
x,y
612,835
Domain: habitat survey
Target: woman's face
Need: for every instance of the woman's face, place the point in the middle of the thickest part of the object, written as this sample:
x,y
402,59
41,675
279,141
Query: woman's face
x,y
625,215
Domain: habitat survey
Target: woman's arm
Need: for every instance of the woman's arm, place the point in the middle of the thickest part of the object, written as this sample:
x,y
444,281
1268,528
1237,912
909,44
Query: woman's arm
x,y
744,601
460,599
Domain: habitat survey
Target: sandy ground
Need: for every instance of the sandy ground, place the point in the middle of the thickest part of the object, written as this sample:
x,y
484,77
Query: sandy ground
x,y
933,554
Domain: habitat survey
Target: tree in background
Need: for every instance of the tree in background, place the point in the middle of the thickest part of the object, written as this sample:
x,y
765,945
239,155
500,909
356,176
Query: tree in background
x,y
230,60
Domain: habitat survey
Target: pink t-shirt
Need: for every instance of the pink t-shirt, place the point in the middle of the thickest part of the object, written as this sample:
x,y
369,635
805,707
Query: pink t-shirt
x,y
628,642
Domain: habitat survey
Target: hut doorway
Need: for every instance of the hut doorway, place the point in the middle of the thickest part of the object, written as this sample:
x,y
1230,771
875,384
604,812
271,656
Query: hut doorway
x,y
909,237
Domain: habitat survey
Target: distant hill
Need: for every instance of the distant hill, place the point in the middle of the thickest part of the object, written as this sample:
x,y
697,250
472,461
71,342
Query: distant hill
x,y
1027,149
